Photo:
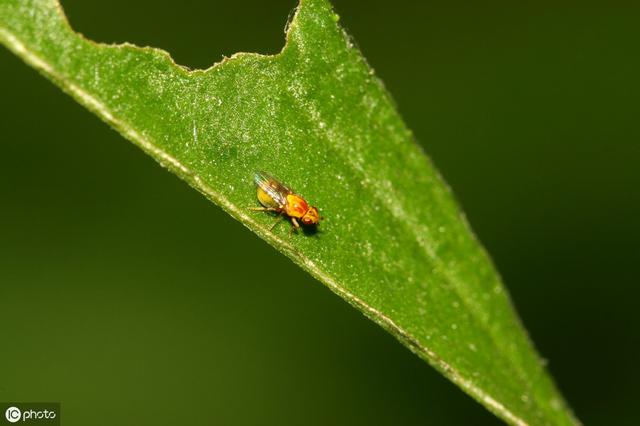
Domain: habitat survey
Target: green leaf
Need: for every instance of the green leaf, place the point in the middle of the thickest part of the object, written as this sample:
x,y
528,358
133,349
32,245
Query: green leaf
x,y
394,244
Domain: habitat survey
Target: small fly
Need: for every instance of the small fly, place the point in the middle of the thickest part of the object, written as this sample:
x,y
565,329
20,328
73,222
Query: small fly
x,y
278,198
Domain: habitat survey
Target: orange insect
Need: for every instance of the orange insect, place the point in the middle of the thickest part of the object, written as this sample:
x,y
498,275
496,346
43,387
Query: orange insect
x,y
278,198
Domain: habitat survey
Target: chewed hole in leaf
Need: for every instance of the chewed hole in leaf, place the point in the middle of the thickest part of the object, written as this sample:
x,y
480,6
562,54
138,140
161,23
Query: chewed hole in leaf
x,y
187,31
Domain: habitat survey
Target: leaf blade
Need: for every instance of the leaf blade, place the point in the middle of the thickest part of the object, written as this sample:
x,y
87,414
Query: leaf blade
x,y
394,244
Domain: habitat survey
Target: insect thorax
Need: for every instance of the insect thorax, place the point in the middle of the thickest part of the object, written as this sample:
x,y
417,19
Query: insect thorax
x,y
296,206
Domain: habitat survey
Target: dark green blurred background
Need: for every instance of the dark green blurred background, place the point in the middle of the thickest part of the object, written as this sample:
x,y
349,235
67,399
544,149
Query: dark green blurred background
x,y
131,299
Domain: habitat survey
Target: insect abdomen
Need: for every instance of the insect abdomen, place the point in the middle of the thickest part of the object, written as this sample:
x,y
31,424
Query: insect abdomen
x,y
266,200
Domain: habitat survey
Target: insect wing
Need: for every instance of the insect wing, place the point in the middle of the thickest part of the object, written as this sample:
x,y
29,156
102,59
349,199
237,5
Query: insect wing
x,y
272,187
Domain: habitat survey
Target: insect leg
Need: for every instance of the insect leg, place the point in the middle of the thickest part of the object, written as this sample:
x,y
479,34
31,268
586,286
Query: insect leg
x,y
263,209
276,222
295,227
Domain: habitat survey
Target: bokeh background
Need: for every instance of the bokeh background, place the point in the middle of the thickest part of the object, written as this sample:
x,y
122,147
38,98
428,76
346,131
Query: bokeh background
x,y
131,299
